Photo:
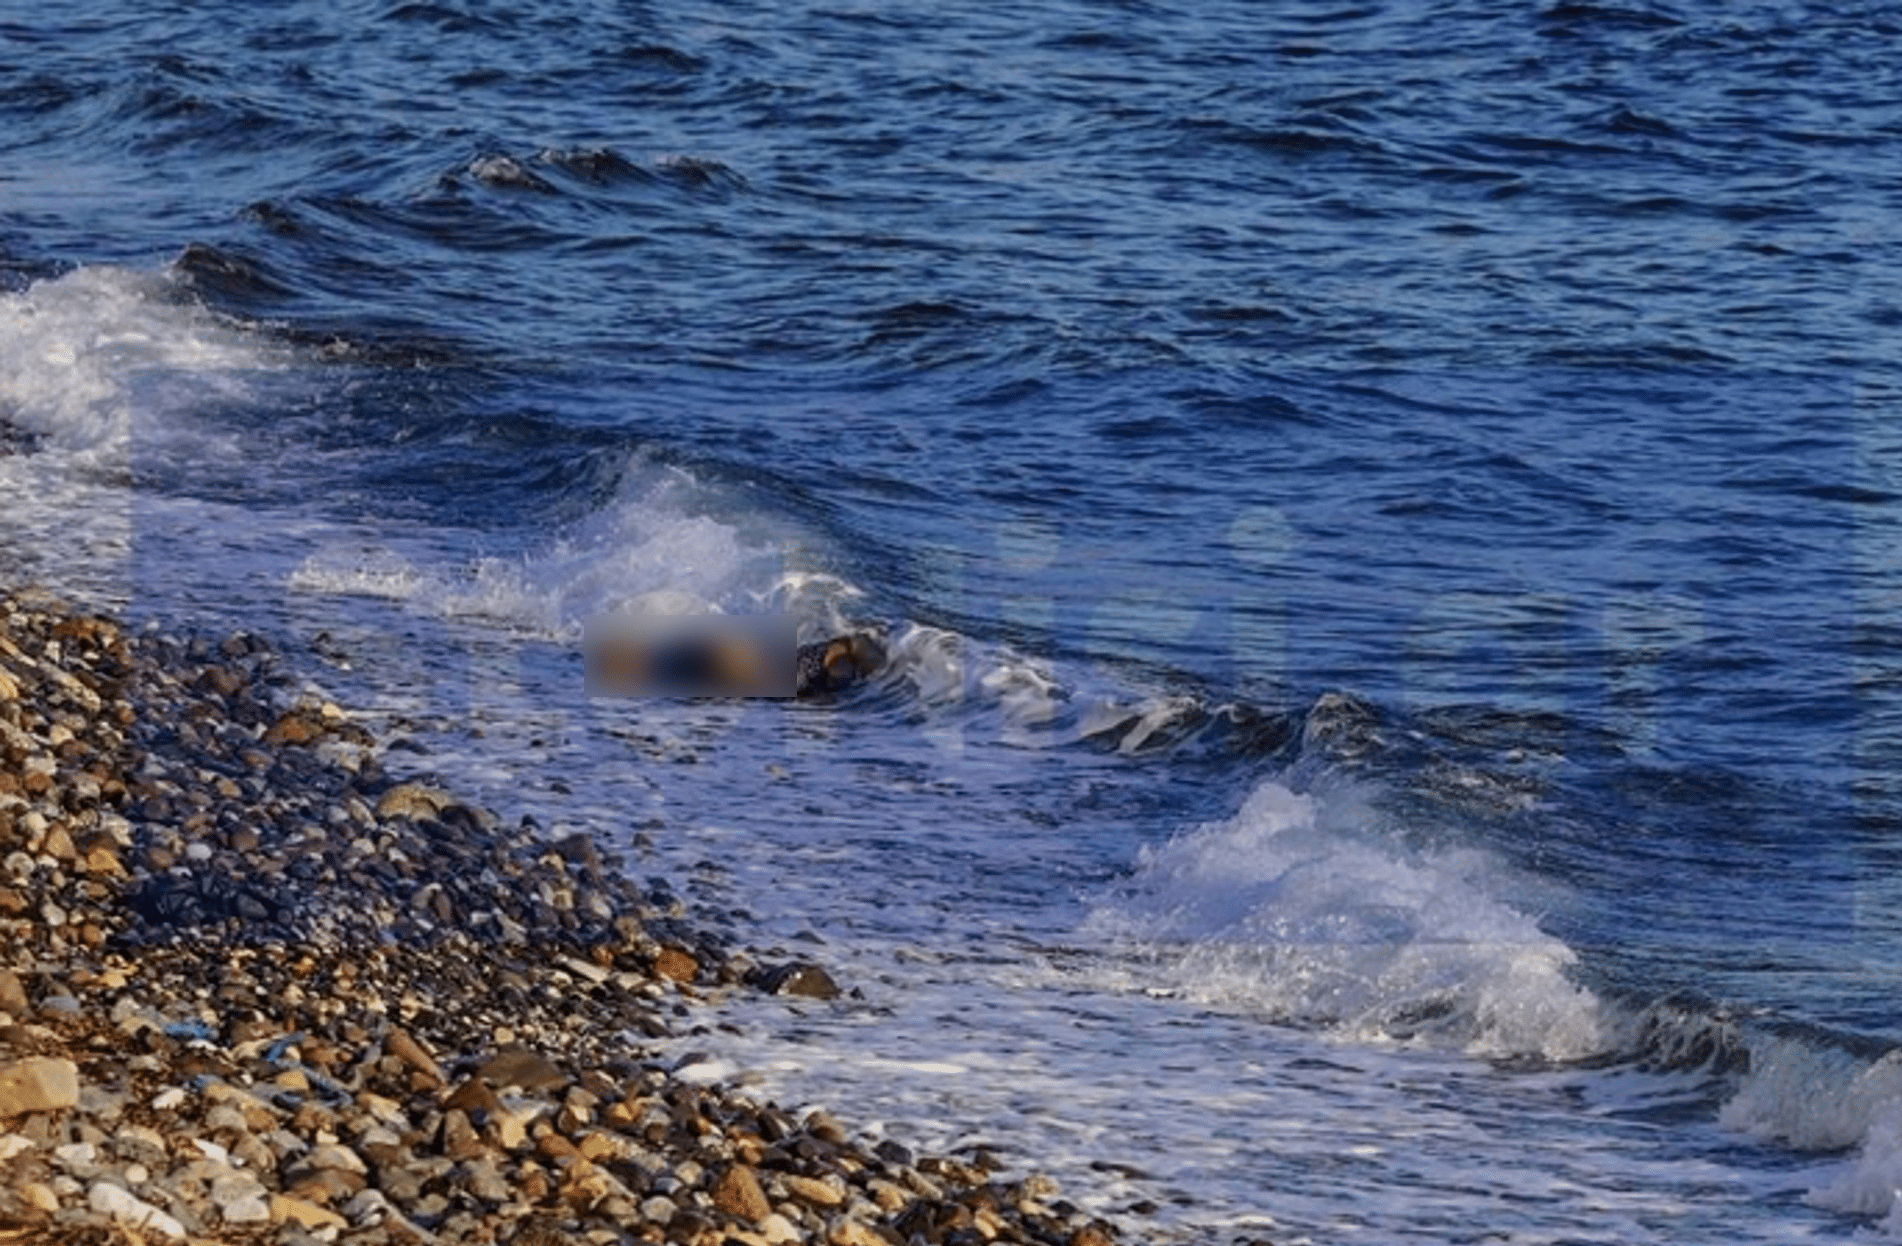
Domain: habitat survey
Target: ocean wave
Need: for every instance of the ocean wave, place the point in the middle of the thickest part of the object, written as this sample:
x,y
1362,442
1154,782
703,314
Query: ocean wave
x,y
1292,910
102,356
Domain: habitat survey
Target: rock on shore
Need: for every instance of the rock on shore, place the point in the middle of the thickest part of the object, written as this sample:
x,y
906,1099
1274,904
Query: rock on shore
x,y
254,989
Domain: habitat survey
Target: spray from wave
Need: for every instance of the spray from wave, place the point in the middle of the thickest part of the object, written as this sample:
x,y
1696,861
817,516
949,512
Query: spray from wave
x,y
1293,910
113,392
1299,910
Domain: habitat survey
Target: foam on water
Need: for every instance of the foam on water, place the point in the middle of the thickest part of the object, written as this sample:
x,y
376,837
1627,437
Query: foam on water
x,y
1821,1097
108,381
101,356
1293,910
653,548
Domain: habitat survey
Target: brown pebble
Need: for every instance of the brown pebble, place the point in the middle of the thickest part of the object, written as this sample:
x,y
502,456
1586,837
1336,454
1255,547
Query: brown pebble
x,y
676,966
458,1138
304,1214
521,1068
39,1197
553,1146
101,859
809,981
40,1084
59,843
533,1186
846,1232
12,994
737,1193
293,728
398,1043
812,1190
473,1095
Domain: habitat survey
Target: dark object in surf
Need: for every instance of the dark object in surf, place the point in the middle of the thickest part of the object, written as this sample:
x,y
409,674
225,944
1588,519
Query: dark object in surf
x,y
834,665
799,978
17,440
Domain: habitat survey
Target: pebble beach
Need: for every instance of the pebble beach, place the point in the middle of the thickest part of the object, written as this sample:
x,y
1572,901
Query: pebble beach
x,y
259,983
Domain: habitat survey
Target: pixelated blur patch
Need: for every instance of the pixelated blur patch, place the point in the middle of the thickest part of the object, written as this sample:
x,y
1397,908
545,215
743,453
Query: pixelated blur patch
x,y
699,655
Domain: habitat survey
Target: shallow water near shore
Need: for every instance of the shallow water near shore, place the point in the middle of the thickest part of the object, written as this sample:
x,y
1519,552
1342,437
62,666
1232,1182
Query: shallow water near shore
x,y
1385,521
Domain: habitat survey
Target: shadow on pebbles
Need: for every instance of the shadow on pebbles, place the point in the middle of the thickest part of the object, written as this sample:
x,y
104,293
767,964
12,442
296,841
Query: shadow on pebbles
x,y
253,989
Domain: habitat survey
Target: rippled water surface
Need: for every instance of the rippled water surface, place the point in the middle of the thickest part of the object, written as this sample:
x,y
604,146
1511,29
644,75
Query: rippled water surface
x,y
1386,517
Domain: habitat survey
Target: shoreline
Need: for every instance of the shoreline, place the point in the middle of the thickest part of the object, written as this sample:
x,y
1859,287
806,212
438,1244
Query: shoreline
x,y
256,988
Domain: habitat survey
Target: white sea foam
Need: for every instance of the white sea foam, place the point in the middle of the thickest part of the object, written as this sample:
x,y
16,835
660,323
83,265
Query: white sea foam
x,y
1294,910
107,382
95,358
1819,1097
652,549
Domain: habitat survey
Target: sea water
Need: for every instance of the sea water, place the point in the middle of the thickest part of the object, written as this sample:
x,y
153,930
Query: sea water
x,y
1385,518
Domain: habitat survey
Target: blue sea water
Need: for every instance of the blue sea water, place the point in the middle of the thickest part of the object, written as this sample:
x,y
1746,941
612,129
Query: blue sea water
x,y
1388,517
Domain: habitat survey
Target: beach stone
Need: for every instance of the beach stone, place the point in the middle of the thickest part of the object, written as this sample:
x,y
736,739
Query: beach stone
x,y
777,1230
473,1095
293,728
846,1232
521,1068
414,801
484,1182
404,1184
736,1192
76,1155
233,1186
39,1084
12,995
398,1043
253,1112
225,1118
1090,1235
133,1212
336,1156
58,843
102,859
801,979
508,1130
139,1142
252,1209
368,1207
328,1185
305,1214
676,966
587,1186
459,1139
814,1191
38,1197
583,969
255,1151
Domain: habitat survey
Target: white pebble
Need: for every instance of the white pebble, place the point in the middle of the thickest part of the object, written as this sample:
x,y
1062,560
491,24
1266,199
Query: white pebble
x,y
252,1210
12,1144
108,1199
169,1098
367,1208
233,1186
